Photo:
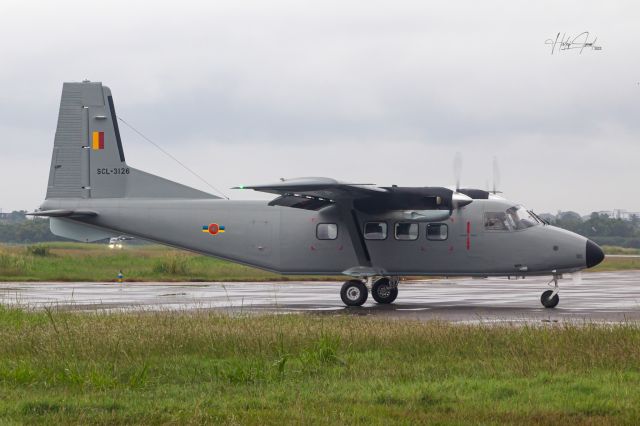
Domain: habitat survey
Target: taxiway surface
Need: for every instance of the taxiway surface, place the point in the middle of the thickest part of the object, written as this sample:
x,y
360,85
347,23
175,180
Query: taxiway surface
x,y
607,296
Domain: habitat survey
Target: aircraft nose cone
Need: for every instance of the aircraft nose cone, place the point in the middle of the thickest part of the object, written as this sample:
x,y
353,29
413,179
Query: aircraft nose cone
x,y
595,255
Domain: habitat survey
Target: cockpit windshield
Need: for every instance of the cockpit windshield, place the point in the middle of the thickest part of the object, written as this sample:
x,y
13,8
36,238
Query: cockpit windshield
x,y
513,219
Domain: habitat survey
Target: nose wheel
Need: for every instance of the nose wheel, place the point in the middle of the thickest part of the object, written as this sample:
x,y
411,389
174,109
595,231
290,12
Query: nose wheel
x,y
550,298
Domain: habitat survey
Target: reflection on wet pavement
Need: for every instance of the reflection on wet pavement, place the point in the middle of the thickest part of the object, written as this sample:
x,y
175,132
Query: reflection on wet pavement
x,y
607,296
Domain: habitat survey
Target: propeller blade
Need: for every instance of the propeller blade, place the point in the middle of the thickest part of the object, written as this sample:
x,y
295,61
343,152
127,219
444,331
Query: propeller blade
x,y
457,169
496,175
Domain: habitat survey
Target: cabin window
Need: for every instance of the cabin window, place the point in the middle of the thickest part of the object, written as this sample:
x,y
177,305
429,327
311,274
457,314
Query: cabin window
x,y
375,230
437,231
406,231
327,231
497,221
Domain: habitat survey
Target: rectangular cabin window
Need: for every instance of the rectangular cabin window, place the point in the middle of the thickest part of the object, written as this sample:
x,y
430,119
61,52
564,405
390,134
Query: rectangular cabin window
x,y
327,231
375,231
437,231
406,231
497,221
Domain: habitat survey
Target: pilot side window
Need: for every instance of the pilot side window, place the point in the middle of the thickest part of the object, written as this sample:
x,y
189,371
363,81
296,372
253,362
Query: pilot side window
x,y
375,230
437,231
497,221
406,231
327,231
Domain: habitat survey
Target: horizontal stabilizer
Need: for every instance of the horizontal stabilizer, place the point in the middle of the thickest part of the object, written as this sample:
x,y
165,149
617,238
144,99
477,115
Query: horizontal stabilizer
x,y
64,213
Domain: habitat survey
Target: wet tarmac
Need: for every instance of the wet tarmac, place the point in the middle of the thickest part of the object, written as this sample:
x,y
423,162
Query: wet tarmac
x,y
607,296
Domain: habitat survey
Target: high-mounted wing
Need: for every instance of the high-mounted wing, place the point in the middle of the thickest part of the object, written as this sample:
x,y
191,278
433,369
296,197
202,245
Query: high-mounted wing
x,y
314,193
317,187
317,193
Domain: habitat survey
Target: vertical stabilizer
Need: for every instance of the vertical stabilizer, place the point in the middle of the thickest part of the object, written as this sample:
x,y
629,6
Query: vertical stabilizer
x,y
88,158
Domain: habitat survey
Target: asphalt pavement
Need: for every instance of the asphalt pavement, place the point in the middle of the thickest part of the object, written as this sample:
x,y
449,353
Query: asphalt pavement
x,y
601,297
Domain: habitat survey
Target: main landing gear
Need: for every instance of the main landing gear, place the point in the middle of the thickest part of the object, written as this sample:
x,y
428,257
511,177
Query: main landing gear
x,y
384,290
550,298
354,293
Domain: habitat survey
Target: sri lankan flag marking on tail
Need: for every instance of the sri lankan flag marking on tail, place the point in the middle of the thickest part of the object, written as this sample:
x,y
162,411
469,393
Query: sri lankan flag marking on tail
x,y
213,229
97,141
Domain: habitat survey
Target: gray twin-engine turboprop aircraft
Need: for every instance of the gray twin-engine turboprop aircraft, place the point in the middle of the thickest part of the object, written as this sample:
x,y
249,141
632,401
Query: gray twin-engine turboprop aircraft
x,y
374,235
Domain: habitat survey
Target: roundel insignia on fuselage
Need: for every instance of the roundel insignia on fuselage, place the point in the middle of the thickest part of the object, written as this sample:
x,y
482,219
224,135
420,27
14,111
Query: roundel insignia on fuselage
x,y
213,228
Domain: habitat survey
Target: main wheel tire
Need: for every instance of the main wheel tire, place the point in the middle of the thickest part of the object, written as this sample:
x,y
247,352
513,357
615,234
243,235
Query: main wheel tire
x,y
354,293
548,301
383,292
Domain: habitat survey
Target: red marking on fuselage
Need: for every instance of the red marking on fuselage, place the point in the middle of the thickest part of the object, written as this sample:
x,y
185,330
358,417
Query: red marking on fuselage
x,y
468,235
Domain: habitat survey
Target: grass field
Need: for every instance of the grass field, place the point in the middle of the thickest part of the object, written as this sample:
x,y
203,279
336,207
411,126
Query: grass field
x,y
201,367
617,264
620,250
96,262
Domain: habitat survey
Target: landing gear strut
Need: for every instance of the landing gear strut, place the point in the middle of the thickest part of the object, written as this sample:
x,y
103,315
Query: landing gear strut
x,y
354,293
550,298
385,290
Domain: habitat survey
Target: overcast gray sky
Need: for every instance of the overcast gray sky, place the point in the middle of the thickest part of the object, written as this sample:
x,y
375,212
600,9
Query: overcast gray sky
x,y
363,91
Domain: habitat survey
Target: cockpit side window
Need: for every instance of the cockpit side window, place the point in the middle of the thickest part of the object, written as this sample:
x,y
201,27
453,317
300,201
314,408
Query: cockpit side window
x,y
497,221
513,219
521,218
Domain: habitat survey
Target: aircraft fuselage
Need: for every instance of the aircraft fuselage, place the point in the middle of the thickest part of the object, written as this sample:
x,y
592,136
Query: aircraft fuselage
x,y
285,240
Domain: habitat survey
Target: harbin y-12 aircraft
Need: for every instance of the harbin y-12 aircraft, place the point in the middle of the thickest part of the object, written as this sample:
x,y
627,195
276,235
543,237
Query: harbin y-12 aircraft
x,y
315,226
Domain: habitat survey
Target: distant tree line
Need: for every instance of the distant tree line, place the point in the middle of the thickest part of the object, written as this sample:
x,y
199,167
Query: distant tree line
x,y
601,228
15,227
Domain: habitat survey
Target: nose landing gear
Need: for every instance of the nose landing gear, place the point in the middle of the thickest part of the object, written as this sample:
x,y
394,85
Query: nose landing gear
x,y
550,298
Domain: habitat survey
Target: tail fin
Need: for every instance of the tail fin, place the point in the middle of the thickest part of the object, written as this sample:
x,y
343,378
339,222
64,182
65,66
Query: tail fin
x,y
88,159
